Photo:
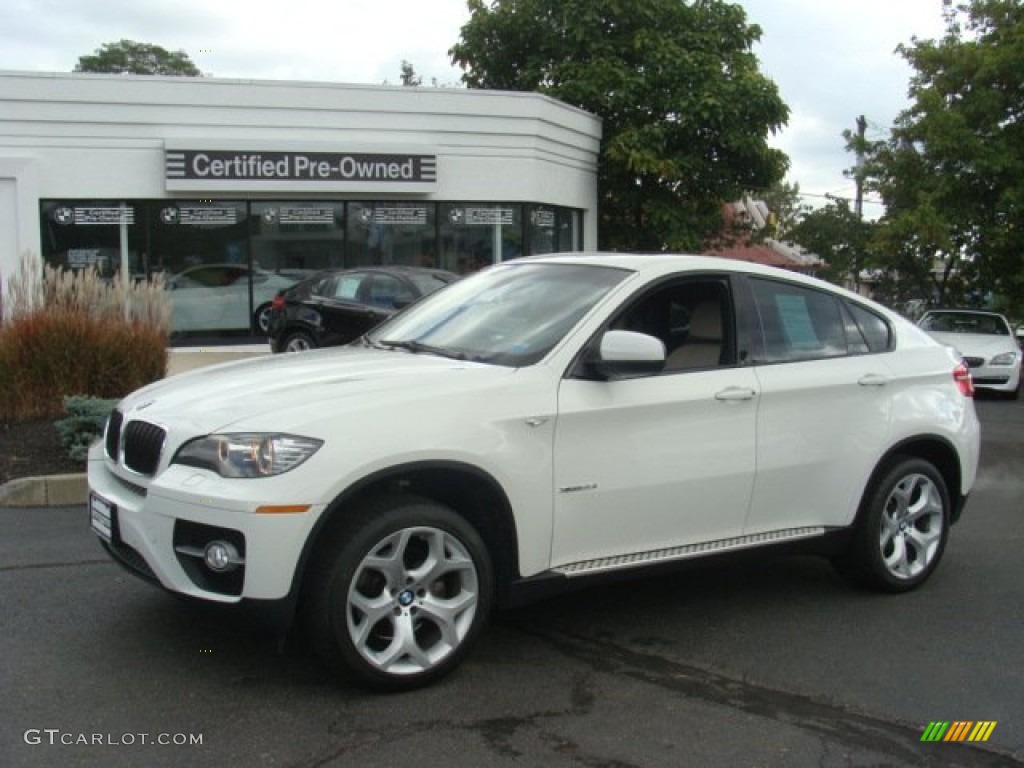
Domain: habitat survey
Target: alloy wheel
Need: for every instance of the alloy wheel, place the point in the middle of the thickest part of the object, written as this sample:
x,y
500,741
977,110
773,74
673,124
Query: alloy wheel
x,y
911,526
412,600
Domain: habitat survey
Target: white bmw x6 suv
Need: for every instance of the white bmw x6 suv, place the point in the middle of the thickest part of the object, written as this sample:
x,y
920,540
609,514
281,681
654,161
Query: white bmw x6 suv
x,y
546,420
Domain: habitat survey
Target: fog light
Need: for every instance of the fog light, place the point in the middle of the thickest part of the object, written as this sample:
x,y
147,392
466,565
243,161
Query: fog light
x,y
221,556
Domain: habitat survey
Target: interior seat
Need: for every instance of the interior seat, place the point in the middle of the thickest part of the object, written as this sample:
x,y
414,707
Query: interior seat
x,y
703,346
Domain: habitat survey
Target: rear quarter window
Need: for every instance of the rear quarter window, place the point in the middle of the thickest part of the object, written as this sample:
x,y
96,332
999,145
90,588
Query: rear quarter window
x,y
875,331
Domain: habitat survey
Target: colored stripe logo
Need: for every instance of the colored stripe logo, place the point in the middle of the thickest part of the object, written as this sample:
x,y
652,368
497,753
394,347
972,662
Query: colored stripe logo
x,y
960,730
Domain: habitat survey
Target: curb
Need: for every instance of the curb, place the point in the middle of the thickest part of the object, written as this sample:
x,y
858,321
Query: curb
x,y
48,491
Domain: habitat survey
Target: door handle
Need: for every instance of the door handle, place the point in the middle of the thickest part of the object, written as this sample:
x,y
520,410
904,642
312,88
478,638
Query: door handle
x,y
873,380
735,394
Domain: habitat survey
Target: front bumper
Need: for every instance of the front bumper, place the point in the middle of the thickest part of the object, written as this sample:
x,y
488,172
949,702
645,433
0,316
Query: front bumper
x,y
999,378
158,531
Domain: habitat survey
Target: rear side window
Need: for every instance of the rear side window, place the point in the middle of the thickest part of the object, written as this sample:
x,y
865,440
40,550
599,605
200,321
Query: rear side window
x,y
798,323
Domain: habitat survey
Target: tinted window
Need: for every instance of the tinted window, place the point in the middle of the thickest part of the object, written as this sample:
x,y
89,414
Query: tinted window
x,y
874,330
388,292
427,284
798,323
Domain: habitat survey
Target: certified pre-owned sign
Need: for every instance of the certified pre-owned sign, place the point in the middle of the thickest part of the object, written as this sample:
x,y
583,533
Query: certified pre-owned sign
x,y
202,168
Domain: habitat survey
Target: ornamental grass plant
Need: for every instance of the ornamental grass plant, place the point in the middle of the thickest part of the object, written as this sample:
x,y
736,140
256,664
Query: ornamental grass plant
x,y
66,332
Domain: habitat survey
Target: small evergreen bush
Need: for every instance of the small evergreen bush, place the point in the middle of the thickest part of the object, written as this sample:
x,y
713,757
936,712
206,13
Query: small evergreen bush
x,y
70,333
83,424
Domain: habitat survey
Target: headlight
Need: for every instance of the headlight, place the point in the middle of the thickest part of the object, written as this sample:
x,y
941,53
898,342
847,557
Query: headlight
x,y
1007,358
247,454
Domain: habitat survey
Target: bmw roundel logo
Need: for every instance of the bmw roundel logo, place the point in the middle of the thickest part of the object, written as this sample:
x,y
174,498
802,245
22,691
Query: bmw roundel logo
x,y
405,599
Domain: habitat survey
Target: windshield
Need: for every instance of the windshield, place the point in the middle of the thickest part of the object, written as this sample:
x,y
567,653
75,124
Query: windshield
x,y
965,322
510,314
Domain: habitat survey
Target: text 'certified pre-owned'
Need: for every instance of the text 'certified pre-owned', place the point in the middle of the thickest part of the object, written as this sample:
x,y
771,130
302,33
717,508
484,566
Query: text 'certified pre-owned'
x,y
304,166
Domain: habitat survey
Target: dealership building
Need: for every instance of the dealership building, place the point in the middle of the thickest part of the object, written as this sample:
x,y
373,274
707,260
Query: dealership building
x,y
234,188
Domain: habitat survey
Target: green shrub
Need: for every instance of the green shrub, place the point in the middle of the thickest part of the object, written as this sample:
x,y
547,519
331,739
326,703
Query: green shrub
x,y
68,333
83,424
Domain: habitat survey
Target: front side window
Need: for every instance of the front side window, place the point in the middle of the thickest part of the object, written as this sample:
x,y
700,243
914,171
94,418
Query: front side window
x,y
691,317
510,315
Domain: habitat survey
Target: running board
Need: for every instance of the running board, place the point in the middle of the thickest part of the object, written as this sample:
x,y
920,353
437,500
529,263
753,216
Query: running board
x,y
703,549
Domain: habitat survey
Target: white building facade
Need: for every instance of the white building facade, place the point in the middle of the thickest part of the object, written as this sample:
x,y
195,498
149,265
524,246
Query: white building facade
x,y
247,185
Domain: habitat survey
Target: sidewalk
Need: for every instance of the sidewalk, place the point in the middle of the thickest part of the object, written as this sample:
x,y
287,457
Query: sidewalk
x,y
70,490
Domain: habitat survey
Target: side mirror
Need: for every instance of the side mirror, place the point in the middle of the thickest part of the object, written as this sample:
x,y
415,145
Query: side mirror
x,y
622,354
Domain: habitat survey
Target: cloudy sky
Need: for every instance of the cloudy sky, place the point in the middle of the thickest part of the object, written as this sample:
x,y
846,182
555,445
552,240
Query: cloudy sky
x,y
832,59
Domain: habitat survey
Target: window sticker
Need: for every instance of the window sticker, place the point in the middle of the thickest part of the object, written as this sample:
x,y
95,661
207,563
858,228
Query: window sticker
x,y
795,317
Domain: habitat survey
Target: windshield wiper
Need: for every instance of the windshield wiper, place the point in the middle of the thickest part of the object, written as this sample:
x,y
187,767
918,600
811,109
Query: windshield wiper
x,y
419,346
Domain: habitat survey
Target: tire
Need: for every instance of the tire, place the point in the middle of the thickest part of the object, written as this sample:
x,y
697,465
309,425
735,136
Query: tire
x,y
901,528
299,341
397,595
261,319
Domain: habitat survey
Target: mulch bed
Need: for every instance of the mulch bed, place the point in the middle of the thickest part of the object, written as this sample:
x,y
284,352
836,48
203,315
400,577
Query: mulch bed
x,y
33,448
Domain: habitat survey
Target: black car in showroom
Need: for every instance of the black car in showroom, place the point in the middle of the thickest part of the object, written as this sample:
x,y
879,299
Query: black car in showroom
x,y
337,306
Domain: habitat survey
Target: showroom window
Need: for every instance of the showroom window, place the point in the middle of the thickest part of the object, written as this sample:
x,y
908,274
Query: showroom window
x,y
91,234
297,236
474,236
225,260
391,233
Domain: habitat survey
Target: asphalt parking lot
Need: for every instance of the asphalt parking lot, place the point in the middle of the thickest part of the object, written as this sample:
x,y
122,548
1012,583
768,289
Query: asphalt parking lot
x,y
765,663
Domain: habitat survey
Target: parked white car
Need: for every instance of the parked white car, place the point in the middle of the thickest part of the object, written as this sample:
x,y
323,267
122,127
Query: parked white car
x,y
211,297
539,423
986,342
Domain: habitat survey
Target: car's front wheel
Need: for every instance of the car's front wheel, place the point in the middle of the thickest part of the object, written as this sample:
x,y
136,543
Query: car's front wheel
x,y
397,596
901,530
298,341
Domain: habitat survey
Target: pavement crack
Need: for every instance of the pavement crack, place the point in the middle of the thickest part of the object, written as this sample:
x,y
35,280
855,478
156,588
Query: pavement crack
x,y
834,722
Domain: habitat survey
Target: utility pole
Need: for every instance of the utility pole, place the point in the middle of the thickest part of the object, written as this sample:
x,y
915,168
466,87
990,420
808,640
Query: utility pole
x,y
858,175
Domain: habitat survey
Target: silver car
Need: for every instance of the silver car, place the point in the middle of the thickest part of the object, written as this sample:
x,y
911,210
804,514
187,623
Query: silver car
x,y
986,343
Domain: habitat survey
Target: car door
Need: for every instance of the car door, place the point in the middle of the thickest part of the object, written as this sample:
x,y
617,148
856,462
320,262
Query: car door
x,y
824,414
647,464
343,314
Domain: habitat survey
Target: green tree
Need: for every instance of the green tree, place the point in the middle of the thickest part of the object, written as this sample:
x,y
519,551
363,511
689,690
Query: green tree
x,y
952,174
409,77
127,57
842,239
786,208
686,112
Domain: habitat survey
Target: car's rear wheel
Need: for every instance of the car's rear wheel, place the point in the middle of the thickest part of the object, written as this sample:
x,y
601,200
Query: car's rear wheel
x,y
397,596
299,341
901,530
261,318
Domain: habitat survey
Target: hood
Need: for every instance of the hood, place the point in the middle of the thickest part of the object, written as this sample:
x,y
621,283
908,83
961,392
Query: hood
x,y
280,390
976,344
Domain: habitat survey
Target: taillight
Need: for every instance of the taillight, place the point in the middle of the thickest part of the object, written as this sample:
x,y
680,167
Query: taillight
x,y
964,382
278,302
